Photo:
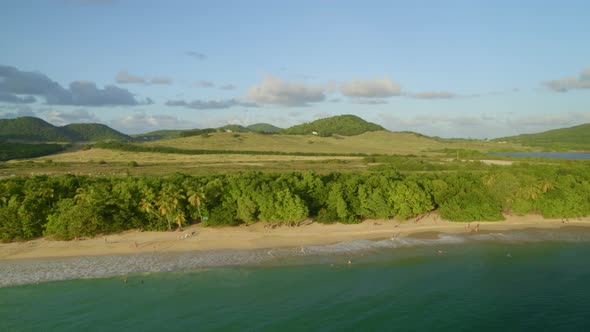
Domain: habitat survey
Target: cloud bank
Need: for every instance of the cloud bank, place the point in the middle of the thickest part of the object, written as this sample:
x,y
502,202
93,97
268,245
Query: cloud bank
x,y
570,83
124,77
434,95
141,122
273,90
61,118
14,83
379,87
210,104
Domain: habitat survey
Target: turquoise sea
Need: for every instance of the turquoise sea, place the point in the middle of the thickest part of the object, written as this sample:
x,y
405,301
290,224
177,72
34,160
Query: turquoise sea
x,y
519,281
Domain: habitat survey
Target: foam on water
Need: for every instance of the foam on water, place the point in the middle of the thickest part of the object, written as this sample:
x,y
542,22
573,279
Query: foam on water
x,y
35,271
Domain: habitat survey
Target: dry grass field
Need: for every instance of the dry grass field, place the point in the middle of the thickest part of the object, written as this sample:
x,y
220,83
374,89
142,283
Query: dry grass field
x,y
97,161
380,142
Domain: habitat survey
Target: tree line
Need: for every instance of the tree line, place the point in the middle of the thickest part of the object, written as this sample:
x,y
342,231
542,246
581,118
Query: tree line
x,y
68,206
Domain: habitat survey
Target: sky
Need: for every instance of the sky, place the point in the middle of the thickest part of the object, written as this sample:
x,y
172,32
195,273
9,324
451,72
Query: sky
x,y
472,69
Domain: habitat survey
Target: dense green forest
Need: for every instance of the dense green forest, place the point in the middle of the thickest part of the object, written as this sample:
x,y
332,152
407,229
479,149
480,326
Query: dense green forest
x,y
32,129
94,132
263,128
345,125
11,150
67,206
37,130
573,138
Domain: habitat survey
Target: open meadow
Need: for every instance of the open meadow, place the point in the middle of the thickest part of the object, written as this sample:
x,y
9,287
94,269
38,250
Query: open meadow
x,y
321,154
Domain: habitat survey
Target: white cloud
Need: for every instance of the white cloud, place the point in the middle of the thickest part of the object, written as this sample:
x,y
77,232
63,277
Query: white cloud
x,y
209,104
378,87
570,83
368,101
123,77
61,118
161,80
434,95
141,122
273,90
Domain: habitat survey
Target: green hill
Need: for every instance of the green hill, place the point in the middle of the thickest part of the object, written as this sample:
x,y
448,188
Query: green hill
x,y
13,150
233,128
159,134
32,129
345,125
264,128
572,138
94,132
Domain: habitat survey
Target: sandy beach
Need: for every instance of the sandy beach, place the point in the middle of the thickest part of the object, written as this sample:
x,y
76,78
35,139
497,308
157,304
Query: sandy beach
x,y
261,235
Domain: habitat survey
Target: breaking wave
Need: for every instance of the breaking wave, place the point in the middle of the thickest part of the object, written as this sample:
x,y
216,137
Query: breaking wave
x,y
43,270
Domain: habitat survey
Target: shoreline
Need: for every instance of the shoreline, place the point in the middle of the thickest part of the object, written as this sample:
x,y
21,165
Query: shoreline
x,y
260,236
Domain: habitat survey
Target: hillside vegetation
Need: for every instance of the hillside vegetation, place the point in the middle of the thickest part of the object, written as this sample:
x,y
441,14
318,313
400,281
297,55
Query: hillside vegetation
x,y
264,128
573,138
346,125
379,142
31,129
94,132
12,150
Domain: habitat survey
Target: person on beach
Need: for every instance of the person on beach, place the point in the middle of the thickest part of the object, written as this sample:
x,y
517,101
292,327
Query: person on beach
x,y
476,228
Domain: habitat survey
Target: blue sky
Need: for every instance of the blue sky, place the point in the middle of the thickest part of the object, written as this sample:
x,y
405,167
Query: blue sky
x,y
478,69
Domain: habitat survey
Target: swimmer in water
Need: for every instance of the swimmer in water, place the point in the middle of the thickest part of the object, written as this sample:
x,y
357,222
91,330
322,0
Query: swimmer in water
x,y
439,251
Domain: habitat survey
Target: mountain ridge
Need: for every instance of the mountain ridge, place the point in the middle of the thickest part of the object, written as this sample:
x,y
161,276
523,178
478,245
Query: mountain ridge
x,y
32,129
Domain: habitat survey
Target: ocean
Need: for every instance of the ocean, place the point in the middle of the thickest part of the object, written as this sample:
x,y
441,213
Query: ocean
x,y
521,280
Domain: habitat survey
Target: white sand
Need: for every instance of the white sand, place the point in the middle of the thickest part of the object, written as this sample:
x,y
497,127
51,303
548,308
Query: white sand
x,y
261,235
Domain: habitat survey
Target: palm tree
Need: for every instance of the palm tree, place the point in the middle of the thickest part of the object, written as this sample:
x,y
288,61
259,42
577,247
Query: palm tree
x,y
169,206
194,199
545,186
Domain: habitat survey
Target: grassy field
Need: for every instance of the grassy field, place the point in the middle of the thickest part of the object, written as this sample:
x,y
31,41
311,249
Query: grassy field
x,y
99,162
108,162
380,142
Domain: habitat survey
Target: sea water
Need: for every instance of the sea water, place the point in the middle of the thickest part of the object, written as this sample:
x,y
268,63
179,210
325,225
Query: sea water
x,y
523,280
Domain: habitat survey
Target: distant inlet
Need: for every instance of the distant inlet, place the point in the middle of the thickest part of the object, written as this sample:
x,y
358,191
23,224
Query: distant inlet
x,y
553,155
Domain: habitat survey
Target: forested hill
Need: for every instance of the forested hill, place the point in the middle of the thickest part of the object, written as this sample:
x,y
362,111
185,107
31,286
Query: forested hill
x,y
94,132
263,127
571,138
32,129
35,129
346,125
